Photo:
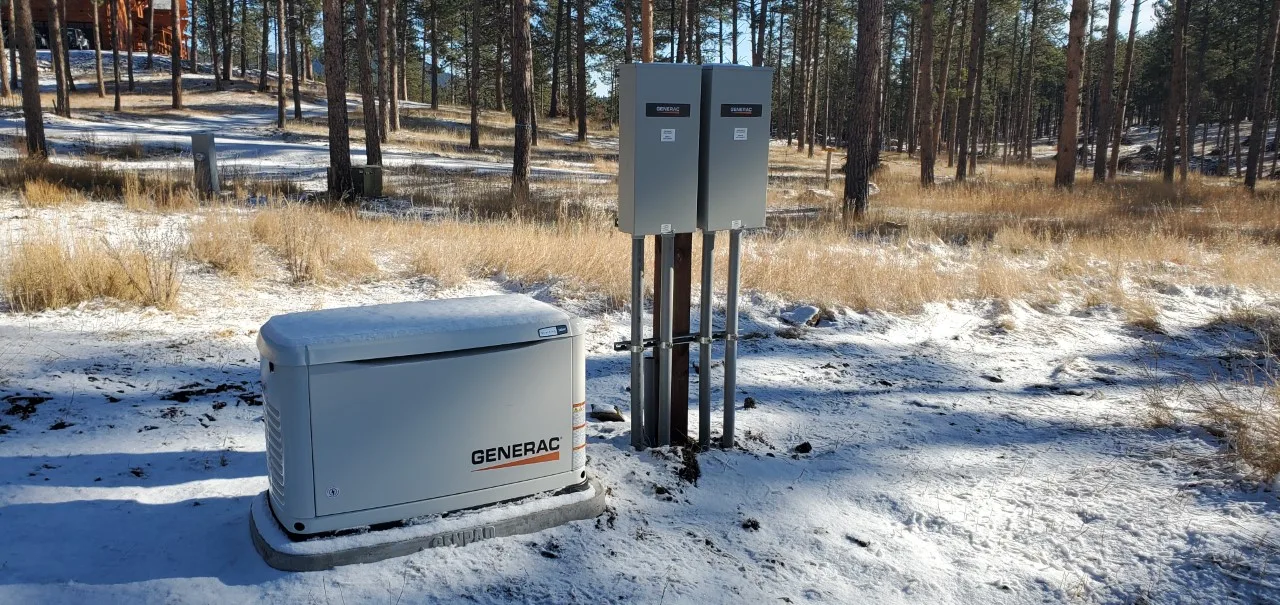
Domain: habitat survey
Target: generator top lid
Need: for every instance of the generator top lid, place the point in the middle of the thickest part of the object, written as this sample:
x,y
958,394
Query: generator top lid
x,y
410,328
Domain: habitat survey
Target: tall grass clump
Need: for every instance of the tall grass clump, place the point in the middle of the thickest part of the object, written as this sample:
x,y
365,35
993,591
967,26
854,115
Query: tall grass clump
x,y
45,269
39,193
1248,418
161,192
318,245
224,240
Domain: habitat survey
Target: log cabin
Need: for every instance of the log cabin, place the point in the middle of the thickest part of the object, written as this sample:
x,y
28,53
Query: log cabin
x,y
78,14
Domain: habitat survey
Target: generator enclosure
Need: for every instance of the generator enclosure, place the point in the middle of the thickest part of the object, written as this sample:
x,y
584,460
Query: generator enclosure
x,y
734,152
382,413
658,130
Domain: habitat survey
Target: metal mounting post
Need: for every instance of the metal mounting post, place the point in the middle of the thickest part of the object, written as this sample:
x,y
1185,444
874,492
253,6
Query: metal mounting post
x,y
638,440
704,343
731,338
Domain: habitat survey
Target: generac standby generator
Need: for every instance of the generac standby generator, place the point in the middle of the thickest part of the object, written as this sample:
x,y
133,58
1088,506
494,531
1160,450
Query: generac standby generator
x,y
383,413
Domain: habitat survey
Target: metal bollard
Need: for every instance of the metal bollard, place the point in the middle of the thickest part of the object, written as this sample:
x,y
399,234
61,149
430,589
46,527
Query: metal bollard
x,y
205,154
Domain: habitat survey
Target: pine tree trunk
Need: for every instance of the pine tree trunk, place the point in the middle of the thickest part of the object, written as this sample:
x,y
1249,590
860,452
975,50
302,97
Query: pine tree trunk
x,y
7,40
393,67
115,52
1177,89
295,58
863,156
800,125
1067,134
499,90
281,24
1122,101
32,119
569,59
977,108
1261,92
943,81
263,65
952,107
212,32
646,30
58,60
368,98
1027,95
924,93
335,85
97,49
151,34
791,86
581,31
628,31
812,111
128,30
965,116
554,111
908,143
383,58
521,98
227,8
882,89
66,58
244,39
1106,108
435,60
473,72
175,59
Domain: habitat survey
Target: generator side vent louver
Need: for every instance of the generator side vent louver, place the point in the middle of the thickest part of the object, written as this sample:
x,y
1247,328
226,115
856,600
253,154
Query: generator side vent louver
x,y
275,452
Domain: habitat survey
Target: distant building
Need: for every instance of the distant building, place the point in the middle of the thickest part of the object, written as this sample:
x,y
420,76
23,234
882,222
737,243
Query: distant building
x,y
79,15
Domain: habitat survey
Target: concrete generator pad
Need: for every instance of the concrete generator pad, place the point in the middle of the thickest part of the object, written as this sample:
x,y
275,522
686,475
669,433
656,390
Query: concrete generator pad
x,y
527,516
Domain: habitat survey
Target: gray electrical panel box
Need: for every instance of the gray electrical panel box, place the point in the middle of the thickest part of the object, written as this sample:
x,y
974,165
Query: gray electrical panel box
x,y
734,157
659,113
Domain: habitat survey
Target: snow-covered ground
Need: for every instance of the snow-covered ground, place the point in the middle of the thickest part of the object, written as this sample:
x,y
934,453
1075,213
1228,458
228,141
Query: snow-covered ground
x,y
970,453
244,124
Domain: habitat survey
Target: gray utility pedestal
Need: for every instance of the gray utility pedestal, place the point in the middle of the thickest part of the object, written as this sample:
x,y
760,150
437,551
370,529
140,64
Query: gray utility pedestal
x,y
205,154
367,180
382,413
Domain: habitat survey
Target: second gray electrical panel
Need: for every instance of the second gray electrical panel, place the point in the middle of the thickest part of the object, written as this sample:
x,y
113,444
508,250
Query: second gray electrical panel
x,y
659,113
734,157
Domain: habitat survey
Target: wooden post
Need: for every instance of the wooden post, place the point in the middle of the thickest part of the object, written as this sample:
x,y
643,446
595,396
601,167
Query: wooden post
x,y
681,293
827,180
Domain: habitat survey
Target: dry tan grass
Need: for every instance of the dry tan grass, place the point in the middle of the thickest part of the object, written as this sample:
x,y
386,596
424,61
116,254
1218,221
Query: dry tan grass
x,y
316,245
975,243
48,269
39,193
223,240
1250,423
88,179
1251,428
157,193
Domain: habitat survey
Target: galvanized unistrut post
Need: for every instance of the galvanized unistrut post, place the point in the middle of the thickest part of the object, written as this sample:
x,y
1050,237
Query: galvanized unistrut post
x,y
637,343
731,338
704,341
663,347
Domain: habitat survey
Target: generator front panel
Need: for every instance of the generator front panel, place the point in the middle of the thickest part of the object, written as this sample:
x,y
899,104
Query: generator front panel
x,y
401,430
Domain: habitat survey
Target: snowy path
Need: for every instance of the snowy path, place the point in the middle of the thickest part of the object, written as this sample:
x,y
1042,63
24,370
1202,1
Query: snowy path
x,y
953,461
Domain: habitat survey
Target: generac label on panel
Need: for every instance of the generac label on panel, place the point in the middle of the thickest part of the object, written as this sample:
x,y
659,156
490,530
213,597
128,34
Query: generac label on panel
x,y
666,110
